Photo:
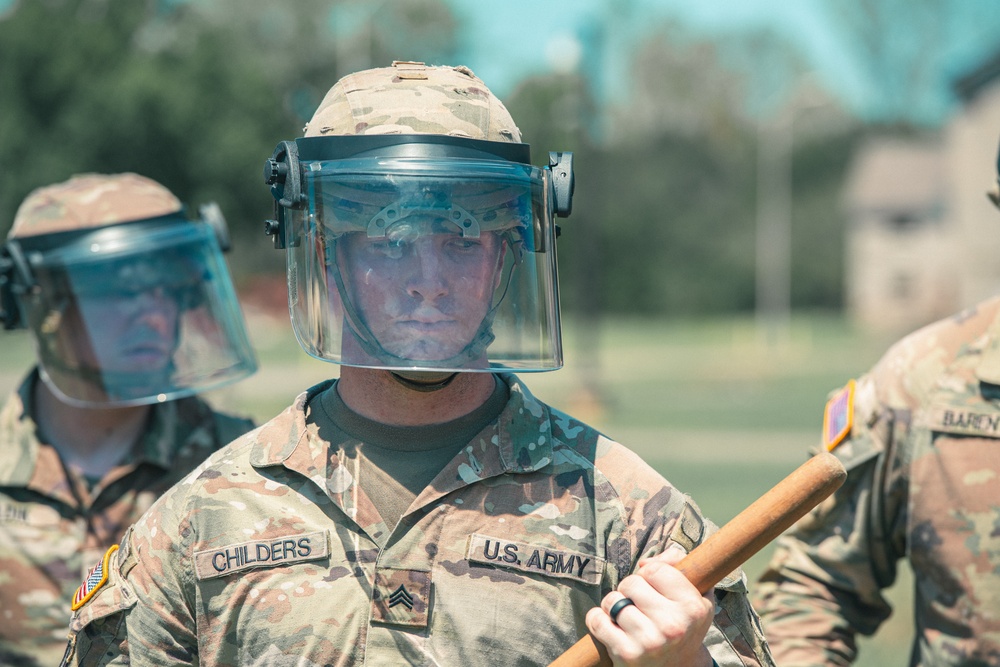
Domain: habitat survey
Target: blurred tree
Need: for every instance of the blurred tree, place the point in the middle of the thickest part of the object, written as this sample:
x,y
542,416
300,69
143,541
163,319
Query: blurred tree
x,y
194,94
552,112
671,190
907,51
373,33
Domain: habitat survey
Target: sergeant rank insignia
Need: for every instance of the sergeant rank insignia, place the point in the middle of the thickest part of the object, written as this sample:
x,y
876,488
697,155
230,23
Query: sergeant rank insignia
x,y
838,417
97,577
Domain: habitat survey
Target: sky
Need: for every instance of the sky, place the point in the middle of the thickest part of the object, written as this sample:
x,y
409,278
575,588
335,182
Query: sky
x,y
509,39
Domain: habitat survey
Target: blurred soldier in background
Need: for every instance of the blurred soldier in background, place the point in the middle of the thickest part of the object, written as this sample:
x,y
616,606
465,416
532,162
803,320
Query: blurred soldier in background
x,y
132,312
920,437
425,508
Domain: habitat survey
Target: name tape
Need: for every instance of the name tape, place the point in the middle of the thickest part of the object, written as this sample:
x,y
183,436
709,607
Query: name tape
x,y
212,563
538,560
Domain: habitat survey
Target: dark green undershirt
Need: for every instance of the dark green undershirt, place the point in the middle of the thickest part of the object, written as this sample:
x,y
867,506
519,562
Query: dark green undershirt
x,y
396,463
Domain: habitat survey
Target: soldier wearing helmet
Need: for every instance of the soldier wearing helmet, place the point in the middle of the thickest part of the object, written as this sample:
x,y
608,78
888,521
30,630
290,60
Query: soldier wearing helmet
x,y
132,312
919,434
423,508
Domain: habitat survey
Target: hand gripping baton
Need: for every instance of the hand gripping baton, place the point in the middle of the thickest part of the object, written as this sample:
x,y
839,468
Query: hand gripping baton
x,y
746,534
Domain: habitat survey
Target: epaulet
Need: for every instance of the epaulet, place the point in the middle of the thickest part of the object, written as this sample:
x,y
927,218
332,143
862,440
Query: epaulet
x,y
838,416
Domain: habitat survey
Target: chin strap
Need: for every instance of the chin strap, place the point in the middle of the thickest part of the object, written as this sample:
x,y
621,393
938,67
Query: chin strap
x,y
424,381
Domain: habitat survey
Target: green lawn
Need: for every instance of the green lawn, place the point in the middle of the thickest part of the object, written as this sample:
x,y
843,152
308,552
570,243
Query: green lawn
x,y
717,410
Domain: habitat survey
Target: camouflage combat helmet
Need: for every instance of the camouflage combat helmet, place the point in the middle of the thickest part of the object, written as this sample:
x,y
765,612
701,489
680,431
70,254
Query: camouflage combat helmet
x,y
92,200
412,98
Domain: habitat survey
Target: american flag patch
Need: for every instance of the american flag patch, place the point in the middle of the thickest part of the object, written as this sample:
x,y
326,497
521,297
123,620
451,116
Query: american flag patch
x,y
97,577
838,417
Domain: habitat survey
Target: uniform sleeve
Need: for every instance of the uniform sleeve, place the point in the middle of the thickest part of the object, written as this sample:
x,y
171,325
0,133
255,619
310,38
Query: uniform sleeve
x,y
144,615
97,632
824,583
161,626
735,638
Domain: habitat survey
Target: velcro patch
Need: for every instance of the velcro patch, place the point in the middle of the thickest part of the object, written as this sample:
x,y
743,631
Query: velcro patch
x,y
838,417
548,562
97,577
401,597
274,552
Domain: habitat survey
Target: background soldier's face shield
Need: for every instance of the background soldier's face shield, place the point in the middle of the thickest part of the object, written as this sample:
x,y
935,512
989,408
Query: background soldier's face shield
x,y
135,313
425,264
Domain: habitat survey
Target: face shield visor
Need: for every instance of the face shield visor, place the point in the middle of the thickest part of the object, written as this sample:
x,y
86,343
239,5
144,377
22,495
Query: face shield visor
x,y
436,259
129,314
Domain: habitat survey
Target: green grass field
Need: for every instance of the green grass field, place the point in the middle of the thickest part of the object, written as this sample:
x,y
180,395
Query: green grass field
x,y
719,412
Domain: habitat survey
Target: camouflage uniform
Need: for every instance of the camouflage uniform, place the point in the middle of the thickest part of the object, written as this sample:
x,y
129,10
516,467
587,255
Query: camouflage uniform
x,y
52,526
922,448
270,553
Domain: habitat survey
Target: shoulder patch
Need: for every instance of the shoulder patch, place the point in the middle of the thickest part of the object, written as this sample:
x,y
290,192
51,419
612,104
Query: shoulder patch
x,y
97,577
838,417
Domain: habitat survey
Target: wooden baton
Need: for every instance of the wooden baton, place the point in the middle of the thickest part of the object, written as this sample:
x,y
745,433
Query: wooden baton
x,y
746,534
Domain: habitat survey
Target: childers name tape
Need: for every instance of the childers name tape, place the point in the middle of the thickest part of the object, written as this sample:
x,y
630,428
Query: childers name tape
x,y
223,561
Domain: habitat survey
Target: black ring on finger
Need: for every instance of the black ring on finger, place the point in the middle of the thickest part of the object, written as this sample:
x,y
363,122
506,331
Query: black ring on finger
x,y
617,607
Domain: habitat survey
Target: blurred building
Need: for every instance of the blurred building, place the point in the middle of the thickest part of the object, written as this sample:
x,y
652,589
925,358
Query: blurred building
x,y
923,240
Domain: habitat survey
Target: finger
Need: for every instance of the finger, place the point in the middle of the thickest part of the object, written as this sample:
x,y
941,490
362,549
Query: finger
x,y
613,600
668,581
617,607
632,634
672,555
668,599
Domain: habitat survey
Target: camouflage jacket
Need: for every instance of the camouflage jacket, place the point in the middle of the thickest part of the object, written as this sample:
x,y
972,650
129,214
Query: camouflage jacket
x,y
53,528
270,554
920,437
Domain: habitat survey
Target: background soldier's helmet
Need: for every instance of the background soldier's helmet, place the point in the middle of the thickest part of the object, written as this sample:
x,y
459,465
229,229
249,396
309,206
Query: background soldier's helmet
x,y
100,248
427,150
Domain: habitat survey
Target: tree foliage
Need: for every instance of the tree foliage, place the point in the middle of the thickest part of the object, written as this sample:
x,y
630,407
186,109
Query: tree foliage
x,y
196,94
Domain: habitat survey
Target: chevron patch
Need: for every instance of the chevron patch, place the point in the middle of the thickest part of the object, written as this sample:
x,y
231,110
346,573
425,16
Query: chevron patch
x,y
97,577
401,596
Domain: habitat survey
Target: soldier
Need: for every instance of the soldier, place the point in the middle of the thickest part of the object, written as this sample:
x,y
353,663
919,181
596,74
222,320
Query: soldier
x,y
424,508
920,437
132,311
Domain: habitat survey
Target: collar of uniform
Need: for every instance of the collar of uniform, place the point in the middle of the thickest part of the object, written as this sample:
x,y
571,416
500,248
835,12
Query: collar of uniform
x,y
269,452
527,444
519,441
24,461
988,367
162,435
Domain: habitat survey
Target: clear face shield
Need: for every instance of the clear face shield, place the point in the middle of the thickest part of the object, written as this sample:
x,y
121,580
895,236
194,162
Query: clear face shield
x,y
425,260
130,314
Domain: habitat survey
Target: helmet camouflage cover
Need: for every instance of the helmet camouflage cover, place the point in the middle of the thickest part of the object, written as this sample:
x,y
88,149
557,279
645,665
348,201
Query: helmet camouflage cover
x,y
92,200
